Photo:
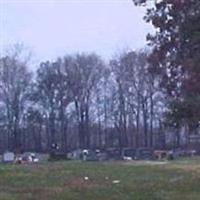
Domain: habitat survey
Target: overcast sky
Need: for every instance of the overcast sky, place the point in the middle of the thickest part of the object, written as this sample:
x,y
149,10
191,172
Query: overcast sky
x,y
53,28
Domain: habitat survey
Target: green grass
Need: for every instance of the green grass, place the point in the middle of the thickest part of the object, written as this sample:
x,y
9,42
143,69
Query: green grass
x,y
177,180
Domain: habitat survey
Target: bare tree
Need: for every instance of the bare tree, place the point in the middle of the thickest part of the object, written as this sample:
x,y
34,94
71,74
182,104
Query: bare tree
x,y
136,90
84,72
14,86
52,90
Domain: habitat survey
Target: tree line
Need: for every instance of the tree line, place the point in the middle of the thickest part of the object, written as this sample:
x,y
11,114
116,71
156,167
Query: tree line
x,y
80,101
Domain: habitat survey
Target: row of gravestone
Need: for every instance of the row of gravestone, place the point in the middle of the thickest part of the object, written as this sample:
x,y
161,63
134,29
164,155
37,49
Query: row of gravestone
x,y
28,157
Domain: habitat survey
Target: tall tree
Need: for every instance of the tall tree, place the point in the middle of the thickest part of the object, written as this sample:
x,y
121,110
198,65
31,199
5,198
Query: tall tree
x,y
84,72
14,87
53,95
176,46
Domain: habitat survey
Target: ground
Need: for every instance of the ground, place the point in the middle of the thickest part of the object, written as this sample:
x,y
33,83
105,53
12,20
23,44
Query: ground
x,y
175,180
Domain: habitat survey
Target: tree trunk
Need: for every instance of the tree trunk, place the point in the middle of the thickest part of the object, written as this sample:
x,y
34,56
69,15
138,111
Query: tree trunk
x,y
151,120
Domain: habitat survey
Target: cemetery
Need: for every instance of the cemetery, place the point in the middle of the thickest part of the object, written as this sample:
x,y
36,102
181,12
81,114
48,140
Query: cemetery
x,y
100,100
110,154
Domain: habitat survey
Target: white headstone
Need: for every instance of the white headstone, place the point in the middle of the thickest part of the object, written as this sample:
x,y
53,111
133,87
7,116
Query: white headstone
x,y
8,157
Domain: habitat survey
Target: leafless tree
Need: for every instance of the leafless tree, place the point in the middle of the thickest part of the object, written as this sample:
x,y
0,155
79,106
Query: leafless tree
x,y
84,73
14,87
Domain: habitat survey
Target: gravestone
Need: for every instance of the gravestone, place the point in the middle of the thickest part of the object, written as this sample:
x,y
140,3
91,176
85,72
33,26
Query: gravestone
x,y
129,154
144,153
8,157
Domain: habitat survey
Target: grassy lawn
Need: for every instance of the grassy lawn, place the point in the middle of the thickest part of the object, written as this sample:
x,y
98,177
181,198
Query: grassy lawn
x,y
177,180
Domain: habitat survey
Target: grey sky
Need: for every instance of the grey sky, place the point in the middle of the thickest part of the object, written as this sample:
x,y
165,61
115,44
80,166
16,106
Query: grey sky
x,y
53,28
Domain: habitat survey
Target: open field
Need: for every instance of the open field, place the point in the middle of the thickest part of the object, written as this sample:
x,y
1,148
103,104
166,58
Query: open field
x,y
176,180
